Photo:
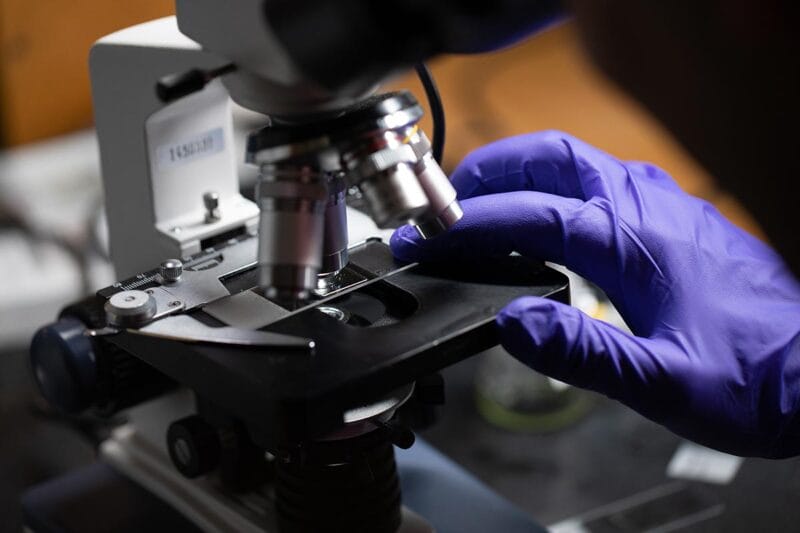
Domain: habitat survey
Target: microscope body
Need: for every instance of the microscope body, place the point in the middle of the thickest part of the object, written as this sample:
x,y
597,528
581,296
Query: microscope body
x,y
268,362
159,161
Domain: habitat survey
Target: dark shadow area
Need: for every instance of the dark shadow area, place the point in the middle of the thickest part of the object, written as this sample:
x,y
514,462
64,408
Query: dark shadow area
x,y
35,445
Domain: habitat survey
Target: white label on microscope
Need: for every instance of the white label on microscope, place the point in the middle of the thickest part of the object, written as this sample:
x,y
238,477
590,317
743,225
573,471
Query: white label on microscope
x,y
205,144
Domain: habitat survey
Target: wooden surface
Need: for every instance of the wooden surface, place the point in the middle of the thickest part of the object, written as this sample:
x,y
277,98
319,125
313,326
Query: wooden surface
x,y
44,51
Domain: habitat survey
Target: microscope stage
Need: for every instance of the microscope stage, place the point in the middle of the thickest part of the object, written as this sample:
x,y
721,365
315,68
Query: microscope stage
x,y
400,323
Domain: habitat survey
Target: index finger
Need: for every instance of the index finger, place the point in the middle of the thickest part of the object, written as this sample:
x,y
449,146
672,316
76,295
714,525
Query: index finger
x,y
551,162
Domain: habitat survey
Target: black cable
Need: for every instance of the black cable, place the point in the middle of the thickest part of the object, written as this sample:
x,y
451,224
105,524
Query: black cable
x,y
437,110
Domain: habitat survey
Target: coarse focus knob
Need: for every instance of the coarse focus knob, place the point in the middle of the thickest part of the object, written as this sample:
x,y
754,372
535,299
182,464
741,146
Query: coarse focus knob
x,y
171,270
63,364
130,309
193,446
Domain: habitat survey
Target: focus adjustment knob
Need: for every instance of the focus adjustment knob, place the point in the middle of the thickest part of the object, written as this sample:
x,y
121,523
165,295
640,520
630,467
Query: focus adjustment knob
x,y
193,446
63,364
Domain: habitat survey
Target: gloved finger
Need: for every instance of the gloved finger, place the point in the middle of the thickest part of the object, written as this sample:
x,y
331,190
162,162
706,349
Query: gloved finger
x,y
551,162
530,223
542,161
654,174
562,342
586,237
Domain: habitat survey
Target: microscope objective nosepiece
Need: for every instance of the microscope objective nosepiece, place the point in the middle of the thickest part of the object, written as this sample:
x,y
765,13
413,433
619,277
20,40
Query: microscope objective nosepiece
x,y
306,168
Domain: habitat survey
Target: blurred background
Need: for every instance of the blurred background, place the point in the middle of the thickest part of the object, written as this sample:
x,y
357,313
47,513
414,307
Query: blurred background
x,y
557,453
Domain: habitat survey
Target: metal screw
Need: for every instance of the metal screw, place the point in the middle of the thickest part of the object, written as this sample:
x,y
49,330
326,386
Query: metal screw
x,y
211,202
171,270
174,303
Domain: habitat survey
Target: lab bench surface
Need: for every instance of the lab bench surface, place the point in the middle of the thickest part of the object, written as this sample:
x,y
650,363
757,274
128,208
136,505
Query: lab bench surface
x,y
608,472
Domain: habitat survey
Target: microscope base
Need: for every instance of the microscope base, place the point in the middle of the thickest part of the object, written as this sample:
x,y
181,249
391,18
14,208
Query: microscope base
x,y
100,498
203,501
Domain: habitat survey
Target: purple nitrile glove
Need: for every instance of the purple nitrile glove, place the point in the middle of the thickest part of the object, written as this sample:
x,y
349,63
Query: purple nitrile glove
x,y
715,312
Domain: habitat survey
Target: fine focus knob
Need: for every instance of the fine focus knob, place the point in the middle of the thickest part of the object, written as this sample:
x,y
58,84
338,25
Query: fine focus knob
x,y
171,270
193,446
130,309
63,365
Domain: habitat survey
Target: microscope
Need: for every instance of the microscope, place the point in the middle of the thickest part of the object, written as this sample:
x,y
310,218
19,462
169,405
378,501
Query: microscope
x,y
267,365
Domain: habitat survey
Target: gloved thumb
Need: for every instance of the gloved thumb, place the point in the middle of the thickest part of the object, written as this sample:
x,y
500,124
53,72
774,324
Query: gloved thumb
x,y
566,344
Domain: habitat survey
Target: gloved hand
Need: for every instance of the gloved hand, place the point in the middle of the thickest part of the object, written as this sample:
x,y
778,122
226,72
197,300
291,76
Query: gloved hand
x,y
715,313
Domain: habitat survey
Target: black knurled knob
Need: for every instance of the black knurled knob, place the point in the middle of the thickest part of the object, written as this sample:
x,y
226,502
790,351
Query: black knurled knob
x,y
397,434
193,446
64,365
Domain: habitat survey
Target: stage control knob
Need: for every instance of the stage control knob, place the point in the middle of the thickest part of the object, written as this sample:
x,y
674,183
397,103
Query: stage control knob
x,y
63,364
193,446
130,309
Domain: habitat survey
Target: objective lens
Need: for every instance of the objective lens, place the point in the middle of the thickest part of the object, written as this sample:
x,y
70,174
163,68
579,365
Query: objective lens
x,y
394,196
334,245
444,209
291,229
